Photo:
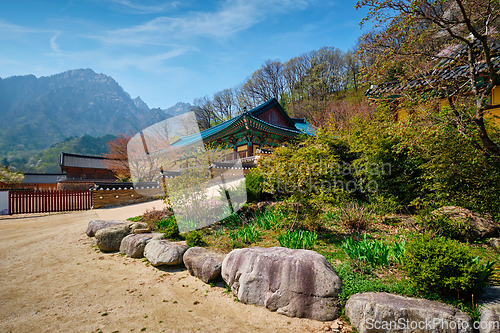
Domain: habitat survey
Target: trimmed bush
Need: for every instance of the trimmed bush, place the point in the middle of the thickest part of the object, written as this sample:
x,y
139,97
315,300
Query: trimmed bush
x,y
444,266
195,238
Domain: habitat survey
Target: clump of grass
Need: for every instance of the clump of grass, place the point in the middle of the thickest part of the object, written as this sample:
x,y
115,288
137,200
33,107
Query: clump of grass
x,y
270,219
247,235
298,239
375,252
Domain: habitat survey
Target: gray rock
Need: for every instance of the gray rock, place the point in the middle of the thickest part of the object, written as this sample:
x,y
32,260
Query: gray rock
x,y
483,227
96,225
133,244
296,283
495,242
490,310
203,264
163,252
109,239
383,312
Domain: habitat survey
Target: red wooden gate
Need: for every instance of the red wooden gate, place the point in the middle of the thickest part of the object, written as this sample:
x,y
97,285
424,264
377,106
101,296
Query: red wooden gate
x,y
21,202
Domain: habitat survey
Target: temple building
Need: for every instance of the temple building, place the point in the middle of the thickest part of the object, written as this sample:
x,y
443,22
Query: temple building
x,y
265,126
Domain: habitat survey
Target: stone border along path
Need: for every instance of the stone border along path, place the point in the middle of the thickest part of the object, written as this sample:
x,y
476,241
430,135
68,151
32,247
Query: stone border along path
x,y
52,279
301,283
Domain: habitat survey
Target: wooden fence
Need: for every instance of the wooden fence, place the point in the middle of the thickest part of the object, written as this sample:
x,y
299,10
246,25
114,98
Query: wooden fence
x,y
21,202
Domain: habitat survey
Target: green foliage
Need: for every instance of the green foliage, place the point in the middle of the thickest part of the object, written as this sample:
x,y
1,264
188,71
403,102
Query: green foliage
x,y
455,173
374,252
135,218
169,228
309,172
384,163
247,235
254,183
270,219
353,283
298,239
195,238
444,266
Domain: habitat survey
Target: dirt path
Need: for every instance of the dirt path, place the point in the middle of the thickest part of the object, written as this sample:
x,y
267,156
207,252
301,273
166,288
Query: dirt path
x,y
53,280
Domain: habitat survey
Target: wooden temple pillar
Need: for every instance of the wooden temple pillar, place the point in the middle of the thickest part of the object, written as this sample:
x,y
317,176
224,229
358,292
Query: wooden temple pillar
x,y
249,149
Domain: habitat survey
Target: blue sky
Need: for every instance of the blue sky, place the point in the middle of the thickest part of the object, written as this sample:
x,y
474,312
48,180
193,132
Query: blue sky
x,y
168,51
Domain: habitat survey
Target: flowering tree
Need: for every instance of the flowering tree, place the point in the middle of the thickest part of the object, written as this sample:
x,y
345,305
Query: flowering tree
x,y
10,177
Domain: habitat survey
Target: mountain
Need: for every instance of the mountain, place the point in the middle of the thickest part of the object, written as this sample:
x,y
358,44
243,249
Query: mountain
x,y
38,112
177,109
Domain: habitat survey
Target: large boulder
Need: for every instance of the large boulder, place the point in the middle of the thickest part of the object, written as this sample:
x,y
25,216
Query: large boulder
x,y
163,252
489,321
482,227
296,283
133,244
96,225
383,312
109,239
203,264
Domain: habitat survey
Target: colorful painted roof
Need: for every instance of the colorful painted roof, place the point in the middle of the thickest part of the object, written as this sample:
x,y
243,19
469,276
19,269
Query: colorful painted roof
x,y
297,126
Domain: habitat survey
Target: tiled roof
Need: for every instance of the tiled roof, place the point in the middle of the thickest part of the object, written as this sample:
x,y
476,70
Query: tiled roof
x,y
82,161
443,71
42,178
207,134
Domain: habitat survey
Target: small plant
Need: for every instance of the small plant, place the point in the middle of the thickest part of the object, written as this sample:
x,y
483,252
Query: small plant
x,y
444,266
247,235
169,228
195,238
135,219
298,239
354,216
152,217
374,252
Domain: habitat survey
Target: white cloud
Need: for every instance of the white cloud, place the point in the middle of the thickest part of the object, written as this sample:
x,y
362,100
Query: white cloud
x,y
232,17
53,44
139,8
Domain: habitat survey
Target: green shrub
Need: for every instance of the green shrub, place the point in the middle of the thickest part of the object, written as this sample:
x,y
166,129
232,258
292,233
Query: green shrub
x,y
169,228
254,183
444,266
298,239
374,252
195,238
247,235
